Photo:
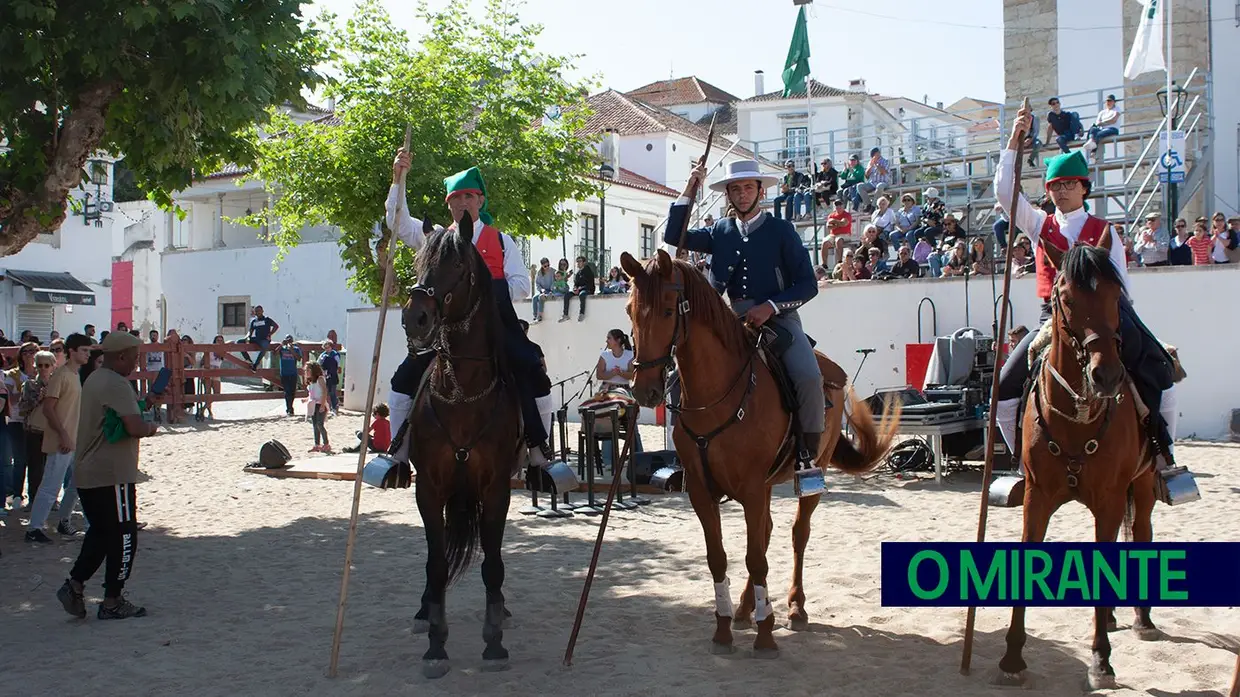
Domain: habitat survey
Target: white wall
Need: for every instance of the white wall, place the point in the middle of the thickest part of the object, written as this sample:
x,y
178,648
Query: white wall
x,y
645,154
693,112
1205,398
307,296
627,210
1225,63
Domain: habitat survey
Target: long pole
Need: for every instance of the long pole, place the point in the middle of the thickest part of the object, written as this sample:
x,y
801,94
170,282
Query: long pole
x,y
616,467
1169,189
971,616
681,252
361,453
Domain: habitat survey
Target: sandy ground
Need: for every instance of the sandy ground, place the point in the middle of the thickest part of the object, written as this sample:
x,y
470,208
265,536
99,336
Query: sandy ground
x,y
241,576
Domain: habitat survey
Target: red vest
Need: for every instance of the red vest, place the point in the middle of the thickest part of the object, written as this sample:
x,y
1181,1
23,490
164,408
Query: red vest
x,y
491,246
1091,233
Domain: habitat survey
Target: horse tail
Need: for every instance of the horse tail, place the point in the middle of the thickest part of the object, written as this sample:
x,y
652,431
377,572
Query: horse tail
x,y
462,522
1130,513
872,441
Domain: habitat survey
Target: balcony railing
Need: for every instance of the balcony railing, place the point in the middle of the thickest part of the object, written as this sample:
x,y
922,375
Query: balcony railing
x,y
601,261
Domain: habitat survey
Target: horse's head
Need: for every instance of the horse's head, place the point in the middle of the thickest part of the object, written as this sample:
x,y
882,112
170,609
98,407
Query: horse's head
x,y
450,284
656,308
1085,310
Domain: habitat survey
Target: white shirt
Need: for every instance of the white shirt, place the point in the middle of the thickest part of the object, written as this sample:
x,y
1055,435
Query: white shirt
x,y
611,360
409,230
1107,117
1030,219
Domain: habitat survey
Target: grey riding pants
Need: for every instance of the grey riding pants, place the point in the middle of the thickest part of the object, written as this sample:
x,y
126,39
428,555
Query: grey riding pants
x,y
802,366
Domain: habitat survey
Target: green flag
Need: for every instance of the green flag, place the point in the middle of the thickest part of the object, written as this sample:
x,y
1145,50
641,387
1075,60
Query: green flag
x,y
796,68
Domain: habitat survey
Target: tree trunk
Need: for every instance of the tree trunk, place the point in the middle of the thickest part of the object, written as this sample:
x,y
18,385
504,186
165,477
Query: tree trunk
x,y
43,209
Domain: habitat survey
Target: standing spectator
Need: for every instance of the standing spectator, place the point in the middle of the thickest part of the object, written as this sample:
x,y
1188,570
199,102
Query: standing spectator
x,y
213,360
106,476
89,330
1179,253
908,219
839,231
877,179
1200,243
1222,239
121,327
262,328
1106,125
905,266
851,178
289,355
330,362
1233,226
1152,242
58,416
28,405
189,361
790,190
826,184
154,363
1063,125
57,347
316,404
24,477
544,288
583,285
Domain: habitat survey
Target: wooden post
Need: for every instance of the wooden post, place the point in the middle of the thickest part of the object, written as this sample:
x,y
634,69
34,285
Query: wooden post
x,y
1000,332
361,452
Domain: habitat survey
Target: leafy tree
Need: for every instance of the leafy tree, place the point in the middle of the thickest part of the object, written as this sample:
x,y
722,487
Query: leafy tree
x,y
473,92
173,85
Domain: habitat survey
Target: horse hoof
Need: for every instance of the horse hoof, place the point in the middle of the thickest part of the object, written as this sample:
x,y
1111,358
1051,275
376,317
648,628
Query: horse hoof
x,y
435,668
798,624
1148,633
1019,681
1101,681
766,654
717,649
742,623
495,665
421,626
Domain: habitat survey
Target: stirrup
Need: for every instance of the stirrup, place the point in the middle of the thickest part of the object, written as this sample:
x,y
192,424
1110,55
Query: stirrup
x,y
808,479
1176,485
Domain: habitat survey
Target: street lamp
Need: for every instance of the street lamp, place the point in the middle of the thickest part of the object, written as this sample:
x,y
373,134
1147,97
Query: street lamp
x,y
1175,97
609,165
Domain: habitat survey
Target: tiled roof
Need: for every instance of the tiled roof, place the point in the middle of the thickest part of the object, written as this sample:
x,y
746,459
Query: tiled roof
x,y
682,90
725,120
627,116
637,181
818,89
229,170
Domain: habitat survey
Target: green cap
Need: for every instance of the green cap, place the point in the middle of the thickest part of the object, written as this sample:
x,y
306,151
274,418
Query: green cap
x,y
469,180
1068,166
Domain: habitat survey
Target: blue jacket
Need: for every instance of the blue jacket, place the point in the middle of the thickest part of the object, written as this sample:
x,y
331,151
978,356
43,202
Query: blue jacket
x,y
772,264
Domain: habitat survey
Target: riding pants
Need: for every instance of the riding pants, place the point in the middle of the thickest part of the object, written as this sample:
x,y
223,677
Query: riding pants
x,y
802,366
1143,356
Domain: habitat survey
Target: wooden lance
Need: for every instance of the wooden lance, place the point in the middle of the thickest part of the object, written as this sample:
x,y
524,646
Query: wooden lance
x,y
681,252
1000,332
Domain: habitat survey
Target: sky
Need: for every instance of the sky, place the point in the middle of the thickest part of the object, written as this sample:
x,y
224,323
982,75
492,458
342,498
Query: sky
x,y
938,52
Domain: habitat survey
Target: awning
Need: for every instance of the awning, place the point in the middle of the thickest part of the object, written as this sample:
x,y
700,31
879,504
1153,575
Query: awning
x,y
55,288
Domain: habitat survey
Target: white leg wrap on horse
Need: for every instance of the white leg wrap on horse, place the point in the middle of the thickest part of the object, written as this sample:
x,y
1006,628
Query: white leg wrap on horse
x,y
1167,408
1005,419
723,598
762,605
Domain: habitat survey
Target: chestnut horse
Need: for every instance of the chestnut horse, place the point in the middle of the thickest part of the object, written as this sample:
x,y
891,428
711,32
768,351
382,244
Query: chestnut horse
x,y
465,435
731,397
1083,435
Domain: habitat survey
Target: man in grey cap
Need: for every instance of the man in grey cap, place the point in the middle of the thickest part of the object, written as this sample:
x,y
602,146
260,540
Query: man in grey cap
x,y
106,474
1152,242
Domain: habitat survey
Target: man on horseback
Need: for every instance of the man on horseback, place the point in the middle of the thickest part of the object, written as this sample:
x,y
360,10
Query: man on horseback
x,y
762,265
1146,360
511,281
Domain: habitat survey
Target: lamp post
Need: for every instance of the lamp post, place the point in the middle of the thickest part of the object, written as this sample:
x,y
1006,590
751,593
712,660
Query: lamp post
x,y
609,165
1171,102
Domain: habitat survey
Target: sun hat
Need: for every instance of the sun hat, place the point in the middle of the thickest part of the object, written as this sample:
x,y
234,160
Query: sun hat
x,y
741,170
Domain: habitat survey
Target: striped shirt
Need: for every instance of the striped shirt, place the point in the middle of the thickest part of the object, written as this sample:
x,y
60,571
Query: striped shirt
x,y
1201,249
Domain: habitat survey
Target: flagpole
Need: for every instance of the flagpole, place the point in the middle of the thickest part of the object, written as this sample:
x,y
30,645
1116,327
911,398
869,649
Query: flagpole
x,y
1169,187
809,142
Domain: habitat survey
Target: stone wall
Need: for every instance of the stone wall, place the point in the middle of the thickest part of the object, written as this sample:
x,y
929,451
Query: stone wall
x,y
1030,49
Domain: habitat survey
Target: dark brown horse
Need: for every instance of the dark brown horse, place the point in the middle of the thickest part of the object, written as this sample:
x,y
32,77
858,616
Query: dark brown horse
x,y
744,446
465,435
1083,435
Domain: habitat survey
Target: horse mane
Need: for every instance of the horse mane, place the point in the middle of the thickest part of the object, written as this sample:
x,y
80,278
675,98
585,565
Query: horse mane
x,y
705,303
447,245
1085,265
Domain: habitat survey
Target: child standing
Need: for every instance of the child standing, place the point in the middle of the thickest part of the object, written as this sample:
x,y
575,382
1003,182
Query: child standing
x,y
317,405
1200,244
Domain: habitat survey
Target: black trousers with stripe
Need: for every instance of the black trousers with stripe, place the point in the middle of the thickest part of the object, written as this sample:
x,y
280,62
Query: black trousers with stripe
x,y
112,536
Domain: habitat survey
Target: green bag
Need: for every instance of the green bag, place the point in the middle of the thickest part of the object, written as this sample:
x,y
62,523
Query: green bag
x,y
114,427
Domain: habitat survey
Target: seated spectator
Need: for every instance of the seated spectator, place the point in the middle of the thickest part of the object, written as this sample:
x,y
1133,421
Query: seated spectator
x,y
839,230
1179,253
826,184
845,271
860,272
1022,257
792,191
850,179
952,232
908,219
877,179
1106,125
956,262
560,284
1000,227
583,285
871,239
980,261
544,288
822,275
884,218
1033,143
1062,125
617,283
933,209
906,266
876,264
922,251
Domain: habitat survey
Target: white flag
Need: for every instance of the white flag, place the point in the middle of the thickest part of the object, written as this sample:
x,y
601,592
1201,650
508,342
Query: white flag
x,y
1147,49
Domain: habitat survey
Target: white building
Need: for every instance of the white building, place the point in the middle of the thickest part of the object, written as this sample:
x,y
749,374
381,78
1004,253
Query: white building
x,y
62,281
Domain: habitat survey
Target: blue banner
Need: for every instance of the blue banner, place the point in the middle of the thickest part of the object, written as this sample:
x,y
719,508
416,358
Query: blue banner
x,y
1060,574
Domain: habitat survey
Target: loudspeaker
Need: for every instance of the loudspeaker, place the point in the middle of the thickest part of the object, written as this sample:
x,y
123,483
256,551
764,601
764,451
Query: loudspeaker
x,y
273,455
647,463
903,396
